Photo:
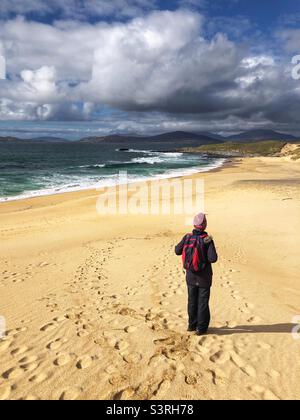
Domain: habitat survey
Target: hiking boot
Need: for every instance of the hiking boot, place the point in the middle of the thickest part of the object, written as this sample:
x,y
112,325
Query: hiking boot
x,y
191,329
200,333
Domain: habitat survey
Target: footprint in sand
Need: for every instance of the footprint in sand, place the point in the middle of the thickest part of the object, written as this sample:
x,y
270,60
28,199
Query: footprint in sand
x,y
62,359
28,359
70,394
126,394
30,367
132,358
112,342
49,327
43,264
59,319
38,379
130,329
219,377
121,345
84,363
22,329
4,345
83,333
12,333
55,345
13,373
220,357
19,351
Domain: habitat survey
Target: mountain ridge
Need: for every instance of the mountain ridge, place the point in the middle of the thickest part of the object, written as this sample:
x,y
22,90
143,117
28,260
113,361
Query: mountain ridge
x,y
260,135
167,137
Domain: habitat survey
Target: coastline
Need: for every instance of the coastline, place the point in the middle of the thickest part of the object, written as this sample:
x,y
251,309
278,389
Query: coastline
x,y
168,175
79,289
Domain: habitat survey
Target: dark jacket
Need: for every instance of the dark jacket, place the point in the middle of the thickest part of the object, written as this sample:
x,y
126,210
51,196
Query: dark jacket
x,y
204,278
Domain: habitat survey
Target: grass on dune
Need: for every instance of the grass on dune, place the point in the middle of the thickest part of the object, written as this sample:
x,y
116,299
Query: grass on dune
x,y
261,148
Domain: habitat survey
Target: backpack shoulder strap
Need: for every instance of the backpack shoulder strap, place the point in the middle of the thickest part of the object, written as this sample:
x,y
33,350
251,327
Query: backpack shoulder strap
x,y
188,237
201,242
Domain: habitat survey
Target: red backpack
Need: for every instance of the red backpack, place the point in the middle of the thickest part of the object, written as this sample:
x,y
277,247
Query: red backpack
x,y
194,253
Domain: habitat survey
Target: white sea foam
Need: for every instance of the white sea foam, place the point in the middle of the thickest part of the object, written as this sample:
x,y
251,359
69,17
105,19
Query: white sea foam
x,y
148,160
83,184
100,165
152,153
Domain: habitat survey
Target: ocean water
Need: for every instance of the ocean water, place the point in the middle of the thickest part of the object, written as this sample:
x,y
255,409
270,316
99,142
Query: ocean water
x,y
34,169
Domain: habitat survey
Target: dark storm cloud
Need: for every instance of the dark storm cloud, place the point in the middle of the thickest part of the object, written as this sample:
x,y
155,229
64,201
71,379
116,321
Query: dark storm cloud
x,y
162,64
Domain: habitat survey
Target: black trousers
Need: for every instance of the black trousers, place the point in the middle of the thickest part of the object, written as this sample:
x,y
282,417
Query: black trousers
x,y
198,308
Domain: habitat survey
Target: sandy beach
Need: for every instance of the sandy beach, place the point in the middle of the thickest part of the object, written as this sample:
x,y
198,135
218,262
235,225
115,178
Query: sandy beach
x,y
96,305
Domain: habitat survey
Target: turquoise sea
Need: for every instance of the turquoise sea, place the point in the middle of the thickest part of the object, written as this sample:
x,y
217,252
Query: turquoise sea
x,y
43,167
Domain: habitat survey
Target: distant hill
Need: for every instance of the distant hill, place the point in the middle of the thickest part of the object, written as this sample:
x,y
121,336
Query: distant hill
x,y
259,135
230,149
50,139
175,136
211,135
35,140
187,139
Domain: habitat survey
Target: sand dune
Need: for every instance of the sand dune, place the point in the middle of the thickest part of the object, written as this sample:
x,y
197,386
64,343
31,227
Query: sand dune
x,y
96,306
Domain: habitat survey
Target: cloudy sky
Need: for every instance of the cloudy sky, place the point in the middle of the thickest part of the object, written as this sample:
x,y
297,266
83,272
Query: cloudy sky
x,y
149,65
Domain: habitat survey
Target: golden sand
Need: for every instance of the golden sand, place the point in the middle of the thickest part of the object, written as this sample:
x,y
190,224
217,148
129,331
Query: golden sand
x,y
96,305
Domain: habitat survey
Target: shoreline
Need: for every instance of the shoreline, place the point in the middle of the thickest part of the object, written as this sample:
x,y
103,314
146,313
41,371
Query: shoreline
x,y
189,172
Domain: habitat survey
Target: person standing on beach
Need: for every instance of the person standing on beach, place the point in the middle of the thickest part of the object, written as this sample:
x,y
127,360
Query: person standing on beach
x,y
198,253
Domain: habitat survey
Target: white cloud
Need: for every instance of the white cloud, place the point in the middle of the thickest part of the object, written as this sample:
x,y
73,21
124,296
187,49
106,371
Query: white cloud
x,y
161,62
40,83
258,60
